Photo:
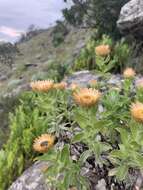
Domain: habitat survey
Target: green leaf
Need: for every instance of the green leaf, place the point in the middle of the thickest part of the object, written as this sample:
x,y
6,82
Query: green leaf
x,y
125,136
49,156
84,156
65,155
122,171
78,137
67,180
137,131
81,119
118,154
138,159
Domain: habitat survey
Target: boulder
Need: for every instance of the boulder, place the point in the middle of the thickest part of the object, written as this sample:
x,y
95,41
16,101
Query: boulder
x,y
32,178
131,19
83,79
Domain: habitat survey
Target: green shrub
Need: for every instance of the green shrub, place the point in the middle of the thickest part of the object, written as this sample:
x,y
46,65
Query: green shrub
x,y
110,138
114,140
102,15
75,14
36,114
59,33
115,61
7,104
39,76
52,70
86,59
57,71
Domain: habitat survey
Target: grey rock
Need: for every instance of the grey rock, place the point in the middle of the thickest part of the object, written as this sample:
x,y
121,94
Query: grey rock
x,y
81,78
32,179
115,80
131,18
3,77
101,185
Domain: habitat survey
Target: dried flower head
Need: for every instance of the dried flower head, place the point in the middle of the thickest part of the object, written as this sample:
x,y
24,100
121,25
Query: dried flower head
x,y
102,50
43,143
137,111
60,86
42,86
139,83
129,73
87,97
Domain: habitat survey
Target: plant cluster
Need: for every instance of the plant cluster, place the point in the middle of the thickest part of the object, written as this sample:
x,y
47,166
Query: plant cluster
x,y
112,138
32,118
56,70
75,14
103,55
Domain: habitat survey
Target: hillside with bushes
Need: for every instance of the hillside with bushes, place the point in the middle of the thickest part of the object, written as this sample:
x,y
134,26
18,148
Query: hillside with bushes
x,y
74,99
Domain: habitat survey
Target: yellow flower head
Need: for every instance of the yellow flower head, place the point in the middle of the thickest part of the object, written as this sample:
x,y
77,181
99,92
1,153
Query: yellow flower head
x,y
43,143
60,86
86,97
129,73
42,86
102,50
74,86
139,83
137,111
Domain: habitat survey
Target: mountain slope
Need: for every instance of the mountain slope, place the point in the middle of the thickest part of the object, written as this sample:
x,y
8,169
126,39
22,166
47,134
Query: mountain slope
x,y
36,54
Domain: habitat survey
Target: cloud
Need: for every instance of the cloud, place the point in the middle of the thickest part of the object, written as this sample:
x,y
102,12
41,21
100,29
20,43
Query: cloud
x,y
19,14
11,32
3,40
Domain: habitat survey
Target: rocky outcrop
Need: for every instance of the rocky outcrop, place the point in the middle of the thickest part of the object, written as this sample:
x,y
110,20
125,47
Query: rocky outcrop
x,y
131,19
83,79
32,178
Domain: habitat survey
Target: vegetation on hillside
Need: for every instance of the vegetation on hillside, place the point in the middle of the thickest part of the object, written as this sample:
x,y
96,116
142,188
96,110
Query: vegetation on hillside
x,y
108,56
51,109
51,119
113,140
102,15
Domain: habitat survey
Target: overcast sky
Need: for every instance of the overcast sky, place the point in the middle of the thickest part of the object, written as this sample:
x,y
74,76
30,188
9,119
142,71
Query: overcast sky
x,y
17,15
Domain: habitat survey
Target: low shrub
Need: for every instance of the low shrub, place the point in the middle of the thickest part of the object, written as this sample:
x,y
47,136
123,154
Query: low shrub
x,y
32,118
111,136
115,60
57,71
